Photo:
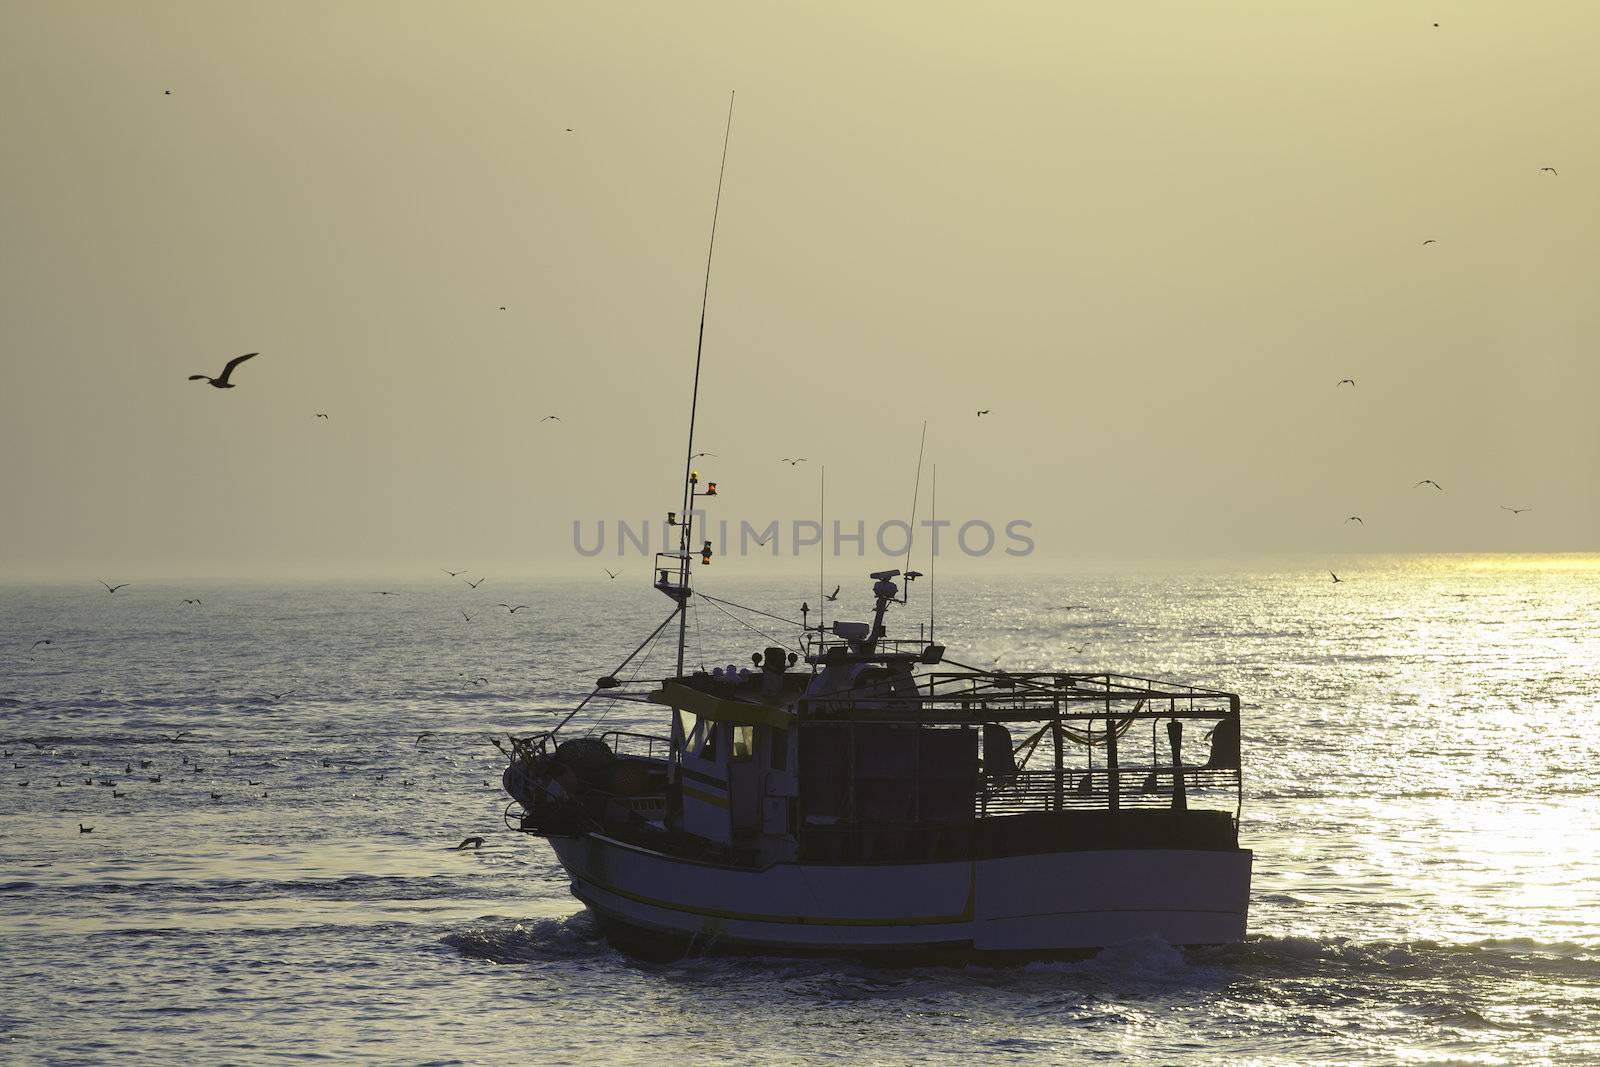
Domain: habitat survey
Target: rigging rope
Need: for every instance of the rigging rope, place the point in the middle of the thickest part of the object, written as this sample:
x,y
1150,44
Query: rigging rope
x,y
747,626
653,634
755,611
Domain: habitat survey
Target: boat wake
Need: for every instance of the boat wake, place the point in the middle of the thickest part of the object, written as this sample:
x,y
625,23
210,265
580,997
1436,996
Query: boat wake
x,y
1309,957
531,941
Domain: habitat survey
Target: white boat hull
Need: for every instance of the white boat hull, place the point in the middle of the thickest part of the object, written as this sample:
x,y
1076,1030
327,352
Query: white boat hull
x,y
1045,903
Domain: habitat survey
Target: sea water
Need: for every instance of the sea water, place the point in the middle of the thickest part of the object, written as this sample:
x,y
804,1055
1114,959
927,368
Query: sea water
x,y
277,779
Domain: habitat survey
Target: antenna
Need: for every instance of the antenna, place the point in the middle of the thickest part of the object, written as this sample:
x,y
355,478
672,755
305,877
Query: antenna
x,y
685,539
822,555
933,542
911,538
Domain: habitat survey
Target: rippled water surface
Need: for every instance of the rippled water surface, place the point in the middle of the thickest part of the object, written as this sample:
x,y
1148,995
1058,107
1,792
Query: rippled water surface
x,y
280,881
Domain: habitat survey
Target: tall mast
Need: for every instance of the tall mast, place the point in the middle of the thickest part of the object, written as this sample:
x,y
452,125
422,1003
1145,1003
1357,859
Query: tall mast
x,y
686,538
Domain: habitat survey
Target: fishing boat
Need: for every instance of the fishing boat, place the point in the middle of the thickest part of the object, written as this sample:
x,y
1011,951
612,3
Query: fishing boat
x,y
857,793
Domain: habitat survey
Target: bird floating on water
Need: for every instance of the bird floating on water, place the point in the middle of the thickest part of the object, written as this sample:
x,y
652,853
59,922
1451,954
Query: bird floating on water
x,y
113,588
221,381
470,842
82,829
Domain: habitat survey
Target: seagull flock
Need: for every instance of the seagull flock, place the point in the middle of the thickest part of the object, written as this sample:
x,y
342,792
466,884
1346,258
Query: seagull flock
x,y
182,769
1421,483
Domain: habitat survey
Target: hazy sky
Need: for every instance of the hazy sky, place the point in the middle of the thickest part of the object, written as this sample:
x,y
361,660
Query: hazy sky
x,y
1150,238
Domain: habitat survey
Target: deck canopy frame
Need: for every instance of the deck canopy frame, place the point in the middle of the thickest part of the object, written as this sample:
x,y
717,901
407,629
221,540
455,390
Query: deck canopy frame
x,y
1090,711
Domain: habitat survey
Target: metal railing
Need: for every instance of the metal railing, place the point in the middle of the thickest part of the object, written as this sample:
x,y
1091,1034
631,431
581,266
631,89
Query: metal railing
x,y
630,743
1137,787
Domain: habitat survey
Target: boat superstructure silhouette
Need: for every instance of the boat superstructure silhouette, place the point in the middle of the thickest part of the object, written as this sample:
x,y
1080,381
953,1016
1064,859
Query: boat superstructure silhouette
x,y
865,798
865,794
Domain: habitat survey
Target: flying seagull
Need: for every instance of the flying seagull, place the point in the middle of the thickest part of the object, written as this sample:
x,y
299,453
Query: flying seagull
x,y
1351,382
1429,481
425,733
697,455
610,573
511,609
451,573
319,415
1552,170
1503,507
1354,518
191,600
41,641
1336,578
792,462
833,595
382,592
113,588
547,418
469,618
1430,241
166,92
982,413
475,584
222,382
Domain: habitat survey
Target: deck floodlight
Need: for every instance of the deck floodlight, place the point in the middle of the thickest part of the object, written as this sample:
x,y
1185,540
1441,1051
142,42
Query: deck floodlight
x,y
705,554
711,489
